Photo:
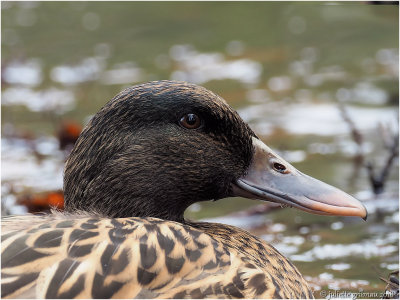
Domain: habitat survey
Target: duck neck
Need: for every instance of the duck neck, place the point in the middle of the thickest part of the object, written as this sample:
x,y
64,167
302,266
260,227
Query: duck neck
x,y
116,202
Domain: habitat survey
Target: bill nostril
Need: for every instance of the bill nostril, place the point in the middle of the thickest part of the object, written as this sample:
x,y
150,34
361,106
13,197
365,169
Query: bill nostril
x,y
279,167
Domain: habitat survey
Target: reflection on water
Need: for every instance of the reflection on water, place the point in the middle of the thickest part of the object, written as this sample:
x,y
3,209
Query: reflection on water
x,y
287,89
28,73
52,99
363,92
88,70
338,267
26,161
200,68
307,118
123,73
367,249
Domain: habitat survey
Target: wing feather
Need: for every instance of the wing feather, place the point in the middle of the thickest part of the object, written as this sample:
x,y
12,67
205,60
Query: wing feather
x,y
90,257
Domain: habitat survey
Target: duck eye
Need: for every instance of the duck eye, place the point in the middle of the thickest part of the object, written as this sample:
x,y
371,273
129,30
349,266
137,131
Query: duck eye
x,y
190,121
279,167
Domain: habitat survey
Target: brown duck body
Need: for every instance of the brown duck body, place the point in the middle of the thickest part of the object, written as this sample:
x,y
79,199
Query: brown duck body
x,y
147,155
91,257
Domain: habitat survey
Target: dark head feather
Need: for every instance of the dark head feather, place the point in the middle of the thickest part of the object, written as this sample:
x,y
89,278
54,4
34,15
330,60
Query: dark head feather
x,y
134,159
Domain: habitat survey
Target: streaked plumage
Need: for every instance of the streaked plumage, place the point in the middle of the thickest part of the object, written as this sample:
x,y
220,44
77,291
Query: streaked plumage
x,y
130,177
142,257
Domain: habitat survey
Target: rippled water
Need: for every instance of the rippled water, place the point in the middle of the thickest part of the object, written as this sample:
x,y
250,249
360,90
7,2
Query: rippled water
x,y
284,68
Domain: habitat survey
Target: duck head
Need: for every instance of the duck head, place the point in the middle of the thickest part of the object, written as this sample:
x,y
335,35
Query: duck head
x,y
159,147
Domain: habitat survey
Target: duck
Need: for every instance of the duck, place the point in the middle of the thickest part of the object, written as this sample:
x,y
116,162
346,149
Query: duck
x,y
151,152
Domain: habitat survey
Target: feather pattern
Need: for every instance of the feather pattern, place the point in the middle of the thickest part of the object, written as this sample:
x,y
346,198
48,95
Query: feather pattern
x,y
91,257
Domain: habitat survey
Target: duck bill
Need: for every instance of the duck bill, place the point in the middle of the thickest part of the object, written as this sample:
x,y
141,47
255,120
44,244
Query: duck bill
x,y
271,178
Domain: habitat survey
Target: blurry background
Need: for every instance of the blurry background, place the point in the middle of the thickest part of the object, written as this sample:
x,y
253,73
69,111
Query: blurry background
x,y
284,66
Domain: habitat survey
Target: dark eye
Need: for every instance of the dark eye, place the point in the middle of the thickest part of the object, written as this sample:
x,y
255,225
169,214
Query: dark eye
x,y
190,121
279,167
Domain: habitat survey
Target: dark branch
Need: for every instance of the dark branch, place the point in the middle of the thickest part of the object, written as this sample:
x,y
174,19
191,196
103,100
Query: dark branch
x,y
390,143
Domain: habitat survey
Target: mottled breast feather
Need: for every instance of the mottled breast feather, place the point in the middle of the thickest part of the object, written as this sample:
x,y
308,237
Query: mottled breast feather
x,y
92,257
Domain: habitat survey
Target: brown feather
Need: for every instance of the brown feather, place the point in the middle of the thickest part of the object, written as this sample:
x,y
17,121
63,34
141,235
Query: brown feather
x,y
110,263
